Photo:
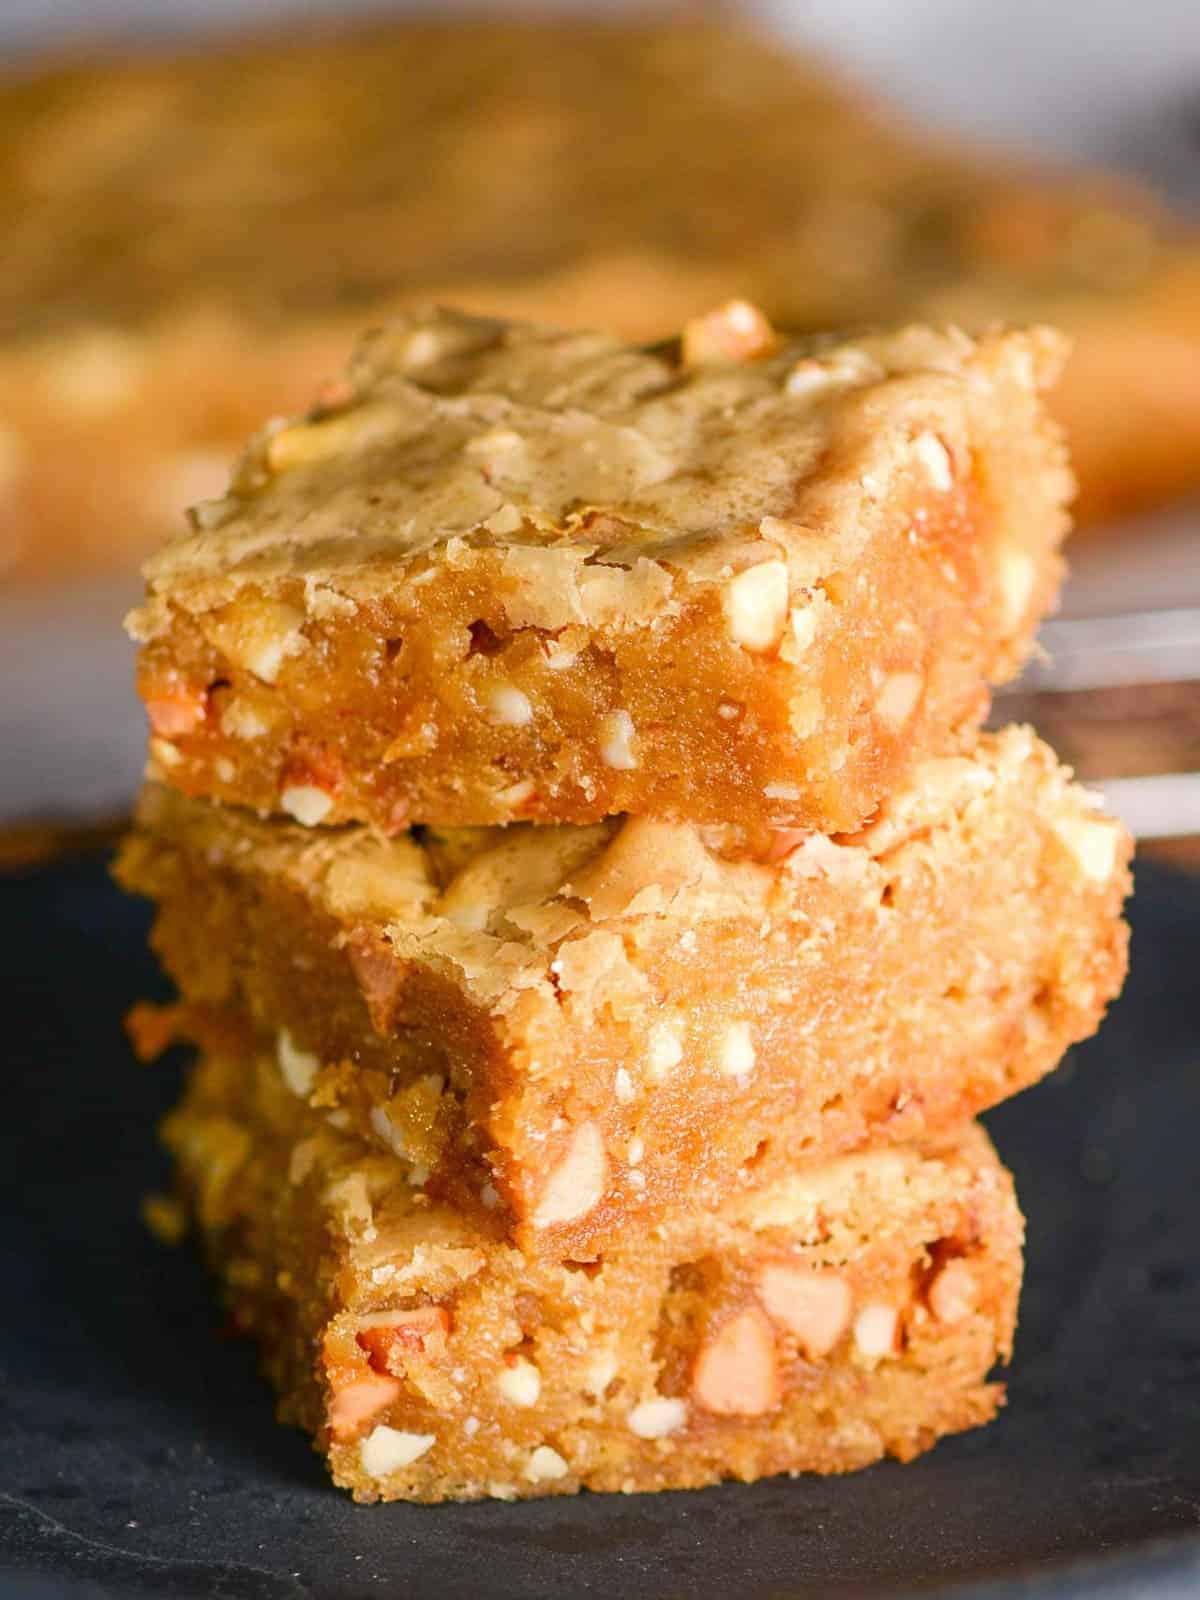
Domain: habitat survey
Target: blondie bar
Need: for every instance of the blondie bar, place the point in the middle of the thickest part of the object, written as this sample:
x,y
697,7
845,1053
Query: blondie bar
x,y
523,574
158,300
576,1030
840,1314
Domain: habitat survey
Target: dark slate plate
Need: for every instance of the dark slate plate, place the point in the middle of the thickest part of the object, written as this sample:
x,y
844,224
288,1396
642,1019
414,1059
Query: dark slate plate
x,y
139,1454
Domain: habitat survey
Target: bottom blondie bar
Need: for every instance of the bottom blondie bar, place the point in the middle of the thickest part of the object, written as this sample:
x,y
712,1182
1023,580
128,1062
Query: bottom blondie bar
x,y
845,1312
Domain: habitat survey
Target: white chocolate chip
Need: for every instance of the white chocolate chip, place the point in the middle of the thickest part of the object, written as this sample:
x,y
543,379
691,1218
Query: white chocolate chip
x,y
520,1383
298,1067
735,1053
224,769
545,1464
635,1151
306,803
508,706
1017,576
241,721
260,637
387,1449
875,1331
656,1418
1092,843
164,752
601,1371
897,700
623,1086
663,1052
577,1183
616,741
489,1197
803,620
935,458
781,791
756,604
805,710
387,1132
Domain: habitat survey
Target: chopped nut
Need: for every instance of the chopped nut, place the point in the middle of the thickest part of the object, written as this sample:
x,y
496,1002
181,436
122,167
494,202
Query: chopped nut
x,y
507,520
735,331
736,1374
577,1183
735,1052
897,700
520,1382
875,1330
387,1449
756,605
392,1338
815,1306
310,442
545,1464
635,1151
358,1402
935,458
664,1051
837,369
616,741
1092,843
954,1291
508,706
657,1417
299,1067
306,803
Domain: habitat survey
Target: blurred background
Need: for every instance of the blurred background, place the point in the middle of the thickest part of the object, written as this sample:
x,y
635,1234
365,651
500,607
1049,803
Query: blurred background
x,y
204,201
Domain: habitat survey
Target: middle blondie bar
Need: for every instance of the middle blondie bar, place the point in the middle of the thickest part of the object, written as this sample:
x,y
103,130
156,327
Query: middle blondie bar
x,y
575,1028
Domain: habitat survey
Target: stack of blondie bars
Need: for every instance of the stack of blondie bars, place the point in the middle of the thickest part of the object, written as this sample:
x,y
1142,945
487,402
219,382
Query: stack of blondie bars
x,y
597,910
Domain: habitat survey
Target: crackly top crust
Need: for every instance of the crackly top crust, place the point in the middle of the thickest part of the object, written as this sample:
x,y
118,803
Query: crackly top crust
x,y
503,909
606,480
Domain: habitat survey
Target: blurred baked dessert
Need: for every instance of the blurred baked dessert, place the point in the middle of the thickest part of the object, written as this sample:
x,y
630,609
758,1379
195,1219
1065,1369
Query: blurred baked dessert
x,y
190,240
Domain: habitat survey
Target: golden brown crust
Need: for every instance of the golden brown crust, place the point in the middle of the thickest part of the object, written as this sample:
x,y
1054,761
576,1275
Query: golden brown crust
x,y
842,1314
522,573
577,1029
157,303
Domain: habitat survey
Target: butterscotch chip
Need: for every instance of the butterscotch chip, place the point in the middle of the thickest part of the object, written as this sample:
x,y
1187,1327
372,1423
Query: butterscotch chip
x,y
571,1031
492,489
699,1382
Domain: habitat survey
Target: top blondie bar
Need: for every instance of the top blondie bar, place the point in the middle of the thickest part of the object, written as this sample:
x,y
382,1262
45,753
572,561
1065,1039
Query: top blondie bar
x,y
510,572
